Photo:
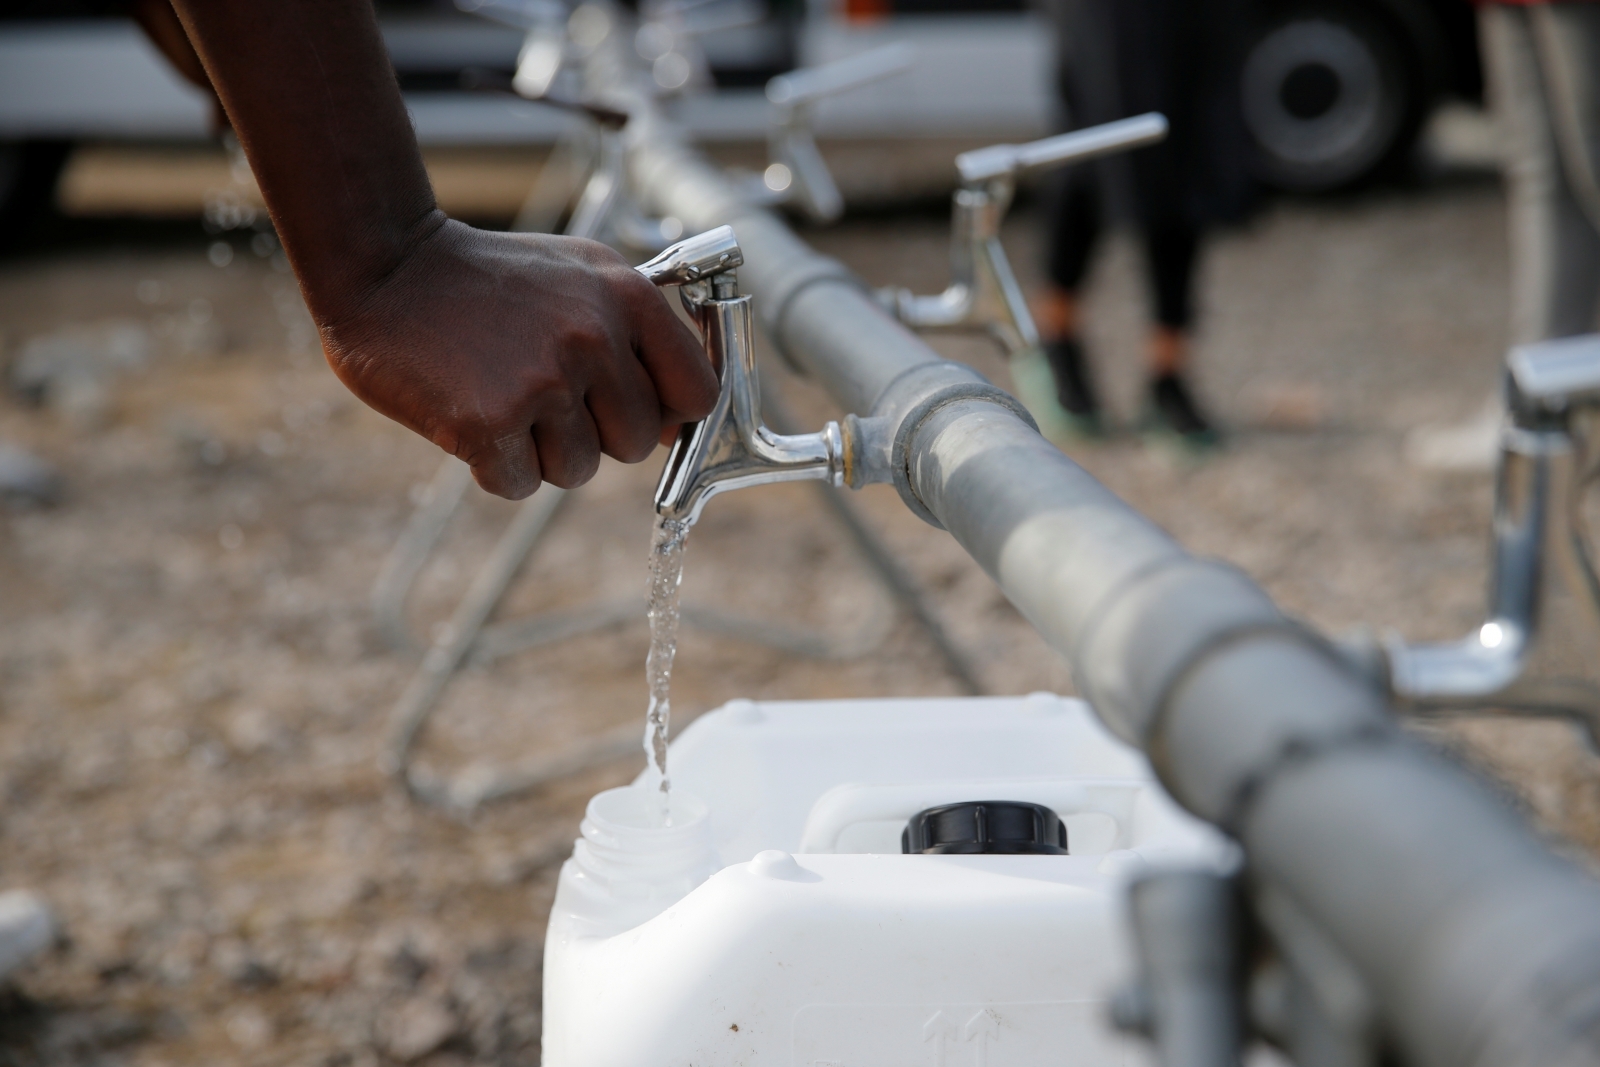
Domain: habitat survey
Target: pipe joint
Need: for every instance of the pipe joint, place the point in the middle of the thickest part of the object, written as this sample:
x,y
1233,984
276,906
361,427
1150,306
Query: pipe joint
x,y
878,448
1214,746
1156,627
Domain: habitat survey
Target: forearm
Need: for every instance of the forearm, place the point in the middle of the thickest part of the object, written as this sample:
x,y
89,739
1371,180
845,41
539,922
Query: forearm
x,y
525,355
310,92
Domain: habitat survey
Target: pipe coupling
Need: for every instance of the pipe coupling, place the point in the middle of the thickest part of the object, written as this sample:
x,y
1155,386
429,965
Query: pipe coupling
x,y
877,448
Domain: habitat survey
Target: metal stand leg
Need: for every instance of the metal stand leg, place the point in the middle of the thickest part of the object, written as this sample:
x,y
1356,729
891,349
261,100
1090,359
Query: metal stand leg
x,y
447,653
410,553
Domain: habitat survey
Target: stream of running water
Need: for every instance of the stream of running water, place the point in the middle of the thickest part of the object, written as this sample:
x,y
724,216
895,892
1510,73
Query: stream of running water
x,y
666,573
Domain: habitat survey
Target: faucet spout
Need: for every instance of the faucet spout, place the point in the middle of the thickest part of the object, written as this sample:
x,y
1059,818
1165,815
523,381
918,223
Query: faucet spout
x,y
730,448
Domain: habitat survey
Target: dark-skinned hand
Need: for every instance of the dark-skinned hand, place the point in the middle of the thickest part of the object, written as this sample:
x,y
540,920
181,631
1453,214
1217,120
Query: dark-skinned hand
x,y
527,356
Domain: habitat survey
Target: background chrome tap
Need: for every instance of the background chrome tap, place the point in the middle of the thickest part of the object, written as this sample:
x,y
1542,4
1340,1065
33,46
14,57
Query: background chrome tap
x,y
1542,573
983,294
730,448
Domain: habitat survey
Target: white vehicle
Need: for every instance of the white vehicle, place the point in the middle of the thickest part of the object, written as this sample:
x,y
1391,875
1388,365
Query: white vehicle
x,y
1334,90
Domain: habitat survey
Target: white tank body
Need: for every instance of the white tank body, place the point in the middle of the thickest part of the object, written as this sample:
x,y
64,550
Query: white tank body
x,y
815,943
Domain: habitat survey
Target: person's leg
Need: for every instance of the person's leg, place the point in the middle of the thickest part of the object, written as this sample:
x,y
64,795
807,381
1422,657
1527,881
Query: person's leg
x,y
1566,40
1075,226
1552,244
1075,231
1172,250
1543,217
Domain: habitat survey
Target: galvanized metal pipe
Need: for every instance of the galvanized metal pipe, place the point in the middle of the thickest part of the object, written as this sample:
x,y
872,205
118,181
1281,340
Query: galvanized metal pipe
x,y
1432,913
1473,942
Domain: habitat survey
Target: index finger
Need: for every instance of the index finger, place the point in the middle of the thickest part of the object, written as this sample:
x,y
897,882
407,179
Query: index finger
x,y
672,355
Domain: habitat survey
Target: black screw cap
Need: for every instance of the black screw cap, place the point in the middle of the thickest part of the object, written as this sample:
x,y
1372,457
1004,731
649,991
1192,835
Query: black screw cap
x,y
1009,827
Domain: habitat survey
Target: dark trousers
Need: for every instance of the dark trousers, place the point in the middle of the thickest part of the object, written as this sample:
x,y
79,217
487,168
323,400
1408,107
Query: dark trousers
x,y
1171,249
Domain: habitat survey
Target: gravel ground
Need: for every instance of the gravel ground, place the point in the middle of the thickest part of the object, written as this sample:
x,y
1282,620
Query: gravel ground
x,y
192,697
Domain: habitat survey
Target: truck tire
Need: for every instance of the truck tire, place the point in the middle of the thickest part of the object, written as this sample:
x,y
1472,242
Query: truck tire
x,y
1333,92
29,171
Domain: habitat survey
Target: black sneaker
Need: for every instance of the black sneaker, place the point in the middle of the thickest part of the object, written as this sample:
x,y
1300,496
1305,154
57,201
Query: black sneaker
x,y
1173,411
1074,385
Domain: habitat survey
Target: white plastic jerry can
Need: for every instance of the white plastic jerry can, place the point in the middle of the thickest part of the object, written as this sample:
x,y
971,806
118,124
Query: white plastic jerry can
x,y
776,920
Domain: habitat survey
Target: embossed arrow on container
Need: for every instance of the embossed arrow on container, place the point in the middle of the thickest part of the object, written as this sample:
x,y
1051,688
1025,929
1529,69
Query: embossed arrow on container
x,y
982,1027
941,1030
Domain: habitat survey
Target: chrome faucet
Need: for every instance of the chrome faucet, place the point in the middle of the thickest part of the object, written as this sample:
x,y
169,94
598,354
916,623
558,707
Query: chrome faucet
x,y
1543,580
983,293
729,448
796,172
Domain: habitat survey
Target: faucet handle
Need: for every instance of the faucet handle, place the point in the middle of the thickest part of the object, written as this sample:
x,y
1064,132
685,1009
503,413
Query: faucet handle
x,y
806,86
695,259
519,14
1009,160
796,171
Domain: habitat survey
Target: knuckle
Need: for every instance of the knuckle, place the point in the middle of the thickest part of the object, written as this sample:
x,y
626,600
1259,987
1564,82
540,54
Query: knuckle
x,y
499,428
516,489
574,470
600,254
449,438
588,333
505,469
697,400
536,390
552,402
502,460
531,390
640,287
639,442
